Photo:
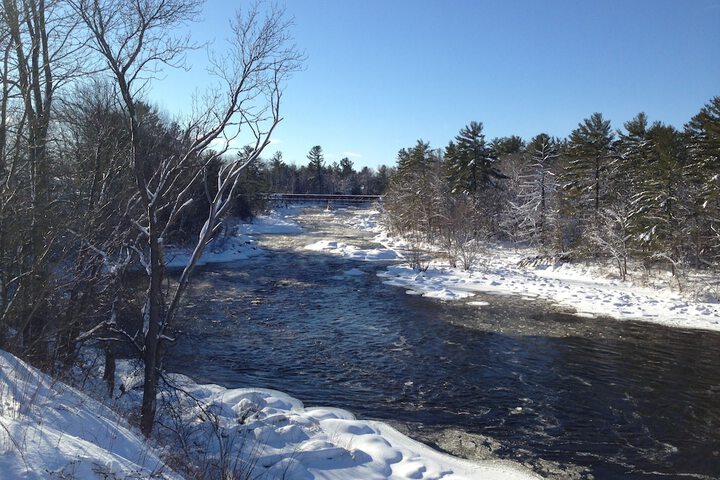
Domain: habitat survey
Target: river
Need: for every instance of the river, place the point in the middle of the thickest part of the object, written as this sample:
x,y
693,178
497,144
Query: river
x,y
570,397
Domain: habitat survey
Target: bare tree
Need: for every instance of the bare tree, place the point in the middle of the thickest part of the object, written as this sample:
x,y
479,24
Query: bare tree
x,y
134,39
40,55
612,236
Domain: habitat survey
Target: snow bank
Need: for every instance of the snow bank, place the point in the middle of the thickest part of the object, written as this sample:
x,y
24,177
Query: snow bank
x,y
222,250
277,437
367,219
577,287
240,244
50,430
277,222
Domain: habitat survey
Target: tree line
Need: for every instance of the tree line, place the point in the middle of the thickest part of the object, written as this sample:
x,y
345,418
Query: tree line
x,y
274,175
647,191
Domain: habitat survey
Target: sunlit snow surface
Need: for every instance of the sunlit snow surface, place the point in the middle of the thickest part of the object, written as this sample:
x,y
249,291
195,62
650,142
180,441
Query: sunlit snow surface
x,y
239,243
50,430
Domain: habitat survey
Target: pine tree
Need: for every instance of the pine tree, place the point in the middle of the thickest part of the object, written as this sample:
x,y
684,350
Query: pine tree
x,y
316,169
471,162
589,150
507,145
703,140
702,135
649,174
415,160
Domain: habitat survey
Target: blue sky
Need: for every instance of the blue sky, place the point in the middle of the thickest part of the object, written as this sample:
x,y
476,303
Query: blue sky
x,y
381,74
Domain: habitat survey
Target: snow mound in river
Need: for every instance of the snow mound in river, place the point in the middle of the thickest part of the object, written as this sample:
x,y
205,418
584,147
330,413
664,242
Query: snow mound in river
x,y
351,251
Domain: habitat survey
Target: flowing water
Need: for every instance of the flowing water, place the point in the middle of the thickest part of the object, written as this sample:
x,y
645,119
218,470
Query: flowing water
x,y
570,397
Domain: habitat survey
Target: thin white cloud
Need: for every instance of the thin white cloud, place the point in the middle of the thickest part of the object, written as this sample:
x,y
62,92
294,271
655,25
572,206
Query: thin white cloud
x,y
352,155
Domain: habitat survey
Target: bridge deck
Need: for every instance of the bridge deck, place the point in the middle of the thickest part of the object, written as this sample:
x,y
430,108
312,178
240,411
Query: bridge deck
x,y
322,197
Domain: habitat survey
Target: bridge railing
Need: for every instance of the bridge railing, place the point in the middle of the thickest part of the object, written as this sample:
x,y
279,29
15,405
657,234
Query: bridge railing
x,y
321,197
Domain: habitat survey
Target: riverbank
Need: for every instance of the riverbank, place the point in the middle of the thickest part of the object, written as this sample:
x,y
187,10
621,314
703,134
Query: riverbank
x,y
52,430
584,289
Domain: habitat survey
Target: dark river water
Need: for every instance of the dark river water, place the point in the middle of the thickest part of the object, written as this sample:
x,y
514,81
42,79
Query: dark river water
x,y
569,397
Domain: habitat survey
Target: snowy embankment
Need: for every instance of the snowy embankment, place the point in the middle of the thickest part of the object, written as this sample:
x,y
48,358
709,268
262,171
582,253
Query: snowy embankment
x,y
238,244
584,289
50,430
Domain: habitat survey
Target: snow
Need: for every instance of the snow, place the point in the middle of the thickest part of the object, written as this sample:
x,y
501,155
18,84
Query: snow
x,y
572,286
240,243
276,433
48,430
278,222
351,251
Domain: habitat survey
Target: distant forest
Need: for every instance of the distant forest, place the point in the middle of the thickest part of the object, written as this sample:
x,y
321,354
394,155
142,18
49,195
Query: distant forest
x,y
318,176
647,191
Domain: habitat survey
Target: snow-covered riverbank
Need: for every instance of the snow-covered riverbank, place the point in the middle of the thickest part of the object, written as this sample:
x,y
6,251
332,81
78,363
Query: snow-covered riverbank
x,y
585,289
51,430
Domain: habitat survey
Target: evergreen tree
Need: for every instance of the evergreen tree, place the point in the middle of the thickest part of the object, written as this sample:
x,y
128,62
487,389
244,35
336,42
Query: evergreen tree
x,y
415,160
633,151
471,163
702,135
251,184
507,145
279,174
316,169
589,151
647,177
703,141
534,206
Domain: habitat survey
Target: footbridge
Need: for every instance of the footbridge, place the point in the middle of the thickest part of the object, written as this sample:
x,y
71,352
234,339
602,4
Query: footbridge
x,y
323,198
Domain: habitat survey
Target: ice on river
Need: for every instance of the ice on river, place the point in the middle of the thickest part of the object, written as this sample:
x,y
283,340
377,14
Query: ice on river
x,y
50,430
351,251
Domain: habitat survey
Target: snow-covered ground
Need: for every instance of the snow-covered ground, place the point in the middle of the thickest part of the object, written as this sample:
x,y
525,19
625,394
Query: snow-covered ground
x,y
51,430
586,289
239,244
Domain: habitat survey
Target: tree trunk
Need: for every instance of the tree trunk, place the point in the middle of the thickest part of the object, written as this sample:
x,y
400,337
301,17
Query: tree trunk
x,y
154,314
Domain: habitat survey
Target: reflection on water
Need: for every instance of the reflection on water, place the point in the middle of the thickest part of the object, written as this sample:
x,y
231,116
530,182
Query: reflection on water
x,y
611,399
